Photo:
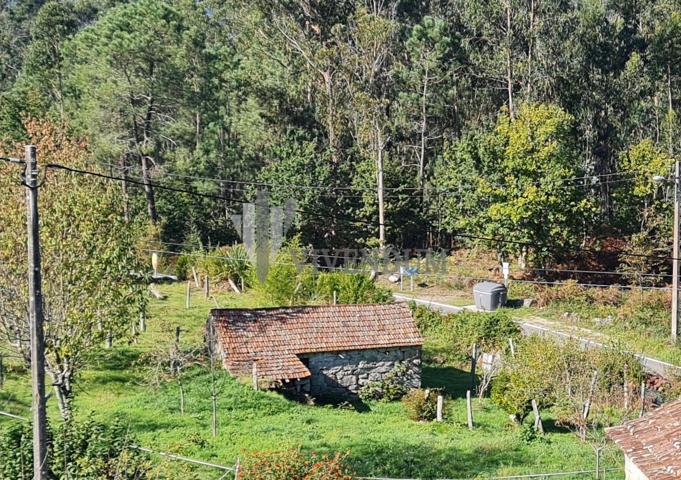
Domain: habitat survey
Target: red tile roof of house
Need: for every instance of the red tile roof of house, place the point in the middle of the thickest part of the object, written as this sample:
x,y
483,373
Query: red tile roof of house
x,y
653,442
274,337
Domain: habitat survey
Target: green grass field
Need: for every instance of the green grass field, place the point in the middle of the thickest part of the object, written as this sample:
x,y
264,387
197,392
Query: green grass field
x,y
380,440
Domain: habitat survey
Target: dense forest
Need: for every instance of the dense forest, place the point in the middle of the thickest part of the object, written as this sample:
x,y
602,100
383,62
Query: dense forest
x,y
406,123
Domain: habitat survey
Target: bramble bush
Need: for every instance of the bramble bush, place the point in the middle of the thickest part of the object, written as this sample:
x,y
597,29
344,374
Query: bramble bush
x,y
390,388
458,332
294,465
420,404
559,375
78,450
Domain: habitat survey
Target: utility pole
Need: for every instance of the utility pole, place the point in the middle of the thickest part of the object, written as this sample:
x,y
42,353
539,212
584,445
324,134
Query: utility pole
x,y
35,312
675,259
676,182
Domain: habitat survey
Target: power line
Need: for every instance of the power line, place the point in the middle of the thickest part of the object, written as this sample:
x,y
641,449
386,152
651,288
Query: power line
x,y
323,217
397,189
553,247
135,182
199,194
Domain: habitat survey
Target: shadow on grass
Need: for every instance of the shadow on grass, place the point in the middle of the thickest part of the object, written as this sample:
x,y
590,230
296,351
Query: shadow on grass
x,y
452,380
118,359
410,460
347,403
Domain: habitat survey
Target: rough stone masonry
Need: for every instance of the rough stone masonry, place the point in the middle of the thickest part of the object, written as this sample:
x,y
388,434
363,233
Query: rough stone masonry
x,y
345,373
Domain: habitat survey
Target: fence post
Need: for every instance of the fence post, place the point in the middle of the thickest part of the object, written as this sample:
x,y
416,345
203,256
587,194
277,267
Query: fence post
x,y
196,278
440,401
255,376
598,463
538,425
474,362
512,346
188,295
643,398
469,409
207,287
626,388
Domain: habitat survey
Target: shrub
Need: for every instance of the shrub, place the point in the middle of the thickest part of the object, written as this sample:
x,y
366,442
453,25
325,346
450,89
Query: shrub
x,y
77,450
458,332
226,262
288,283
420,404
649,310
392,387
294,465
182,267
567,292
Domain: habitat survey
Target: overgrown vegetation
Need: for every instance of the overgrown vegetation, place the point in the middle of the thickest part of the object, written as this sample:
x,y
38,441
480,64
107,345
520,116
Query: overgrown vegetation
x,y
420,404
380,440
391,387
450,337
85,449
587,388
294,465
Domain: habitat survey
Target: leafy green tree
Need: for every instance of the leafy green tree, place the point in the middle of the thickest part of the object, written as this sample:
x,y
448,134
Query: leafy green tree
x,y
92,285
510,184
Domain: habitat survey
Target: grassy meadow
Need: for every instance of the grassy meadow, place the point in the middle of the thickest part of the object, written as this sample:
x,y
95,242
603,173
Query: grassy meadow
x,y
379,439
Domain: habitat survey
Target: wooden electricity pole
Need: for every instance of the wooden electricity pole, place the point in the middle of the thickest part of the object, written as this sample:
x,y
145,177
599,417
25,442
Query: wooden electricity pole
x,y
35,313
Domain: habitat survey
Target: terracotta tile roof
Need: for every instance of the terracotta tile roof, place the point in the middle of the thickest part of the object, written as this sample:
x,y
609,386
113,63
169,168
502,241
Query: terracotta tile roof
x,y
273,337
653,442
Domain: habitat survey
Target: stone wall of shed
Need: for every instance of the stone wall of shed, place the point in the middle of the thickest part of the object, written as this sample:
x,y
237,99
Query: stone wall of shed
x,y
345,373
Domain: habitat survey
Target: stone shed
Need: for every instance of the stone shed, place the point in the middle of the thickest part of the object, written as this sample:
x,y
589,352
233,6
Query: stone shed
x,y
651,444
324,350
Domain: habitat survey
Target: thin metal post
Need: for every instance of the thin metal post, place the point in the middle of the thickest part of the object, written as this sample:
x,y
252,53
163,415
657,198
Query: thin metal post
x,y
35,311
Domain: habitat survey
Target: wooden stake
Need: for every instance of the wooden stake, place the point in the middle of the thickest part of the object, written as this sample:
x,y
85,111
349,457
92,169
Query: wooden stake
x,y
196,278
538,424
474,362
213,389
188,296
236,469
643,399
2,372
469,409
255,376
626,388
335,298
512,346
143,321
440,402
206,287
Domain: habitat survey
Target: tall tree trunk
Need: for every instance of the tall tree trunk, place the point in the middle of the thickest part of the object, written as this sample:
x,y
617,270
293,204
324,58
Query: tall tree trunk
x,y
380,145
509,58
331,116
530,46
670,110
124,188
424,125
149,189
